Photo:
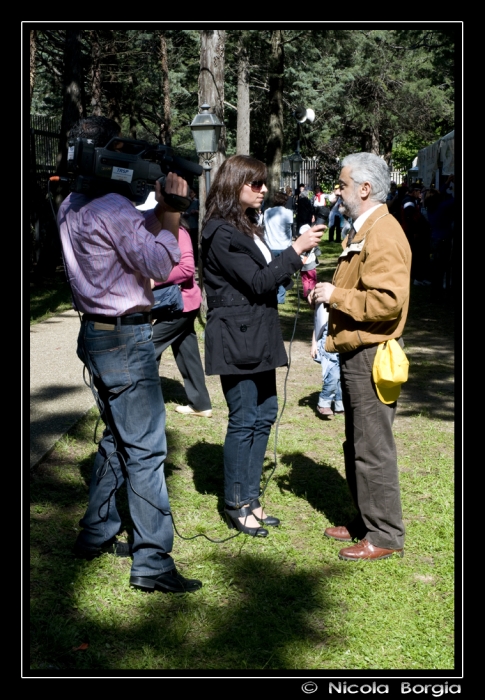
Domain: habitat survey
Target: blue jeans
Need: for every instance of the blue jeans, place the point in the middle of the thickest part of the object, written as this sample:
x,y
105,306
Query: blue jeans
x,y
253,407
331,388
281,295
125,373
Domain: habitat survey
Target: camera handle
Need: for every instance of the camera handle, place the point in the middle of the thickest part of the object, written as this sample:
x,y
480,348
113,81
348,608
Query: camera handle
x,y
176,201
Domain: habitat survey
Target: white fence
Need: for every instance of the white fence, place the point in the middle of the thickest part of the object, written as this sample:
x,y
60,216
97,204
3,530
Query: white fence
x,y
308,176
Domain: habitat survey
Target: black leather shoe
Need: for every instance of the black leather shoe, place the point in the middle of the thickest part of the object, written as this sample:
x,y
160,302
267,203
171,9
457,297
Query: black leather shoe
x,y
168,582
232,518
119,549
270,521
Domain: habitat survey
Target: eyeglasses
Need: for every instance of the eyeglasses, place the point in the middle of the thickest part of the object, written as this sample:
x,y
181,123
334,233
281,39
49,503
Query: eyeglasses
x,y
257,185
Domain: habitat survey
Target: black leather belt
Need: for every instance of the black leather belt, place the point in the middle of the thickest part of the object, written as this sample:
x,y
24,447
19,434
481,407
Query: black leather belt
x,y
135,319
233,300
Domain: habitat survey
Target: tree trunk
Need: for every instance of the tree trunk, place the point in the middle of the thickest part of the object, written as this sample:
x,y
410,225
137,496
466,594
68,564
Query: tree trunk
x,y
73,109
96,90
211,83
165,135
32,62
243,109
73,102
112,85
131,107
388,150
211,91
275,136
375,140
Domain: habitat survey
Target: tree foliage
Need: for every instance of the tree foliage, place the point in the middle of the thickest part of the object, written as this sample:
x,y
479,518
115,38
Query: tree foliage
x,y
370,89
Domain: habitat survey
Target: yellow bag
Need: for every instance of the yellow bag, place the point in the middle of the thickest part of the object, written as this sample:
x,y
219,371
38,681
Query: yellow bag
x,y
390,370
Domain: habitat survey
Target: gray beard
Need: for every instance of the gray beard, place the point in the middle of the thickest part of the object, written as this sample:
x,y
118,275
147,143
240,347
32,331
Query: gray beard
x,y
351,210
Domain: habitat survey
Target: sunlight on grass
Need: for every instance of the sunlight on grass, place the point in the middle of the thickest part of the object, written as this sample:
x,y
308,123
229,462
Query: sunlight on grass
x,y
285,602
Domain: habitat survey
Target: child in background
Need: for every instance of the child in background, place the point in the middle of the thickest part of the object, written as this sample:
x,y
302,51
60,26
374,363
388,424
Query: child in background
x,y
331,393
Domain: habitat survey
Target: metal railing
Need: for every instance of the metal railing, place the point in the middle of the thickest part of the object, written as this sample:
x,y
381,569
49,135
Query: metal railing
x,y
308,174
44,146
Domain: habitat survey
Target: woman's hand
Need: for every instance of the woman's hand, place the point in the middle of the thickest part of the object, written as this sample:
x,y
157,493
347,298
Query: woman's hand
x,y
310,239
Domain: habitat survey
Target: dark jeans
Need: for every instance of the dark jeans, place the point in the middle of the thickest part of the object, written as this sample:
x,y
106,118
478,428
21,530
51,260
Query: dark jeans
x,y
253,407
370,453
335,228
122,361
178,332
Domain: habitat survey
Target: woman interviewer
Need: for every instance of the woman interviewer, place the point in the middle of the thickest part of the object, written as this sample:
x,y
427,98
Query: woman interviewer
x,y
243,341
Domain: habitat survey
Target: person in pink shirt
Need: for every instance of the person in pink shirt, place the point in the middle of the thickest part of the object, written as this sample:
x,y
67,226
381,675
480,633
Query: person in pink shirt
x,y
176,329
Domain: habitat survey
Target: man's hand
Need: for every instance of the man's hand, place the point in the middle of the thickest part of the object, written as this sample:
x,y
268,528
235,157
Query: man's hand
x,y
174,184
322,292
168,217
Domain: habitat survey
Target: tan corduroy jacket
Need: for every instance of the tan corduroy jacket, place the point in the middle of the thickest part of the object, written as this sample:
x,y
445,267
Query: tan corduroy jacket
x,y
372,282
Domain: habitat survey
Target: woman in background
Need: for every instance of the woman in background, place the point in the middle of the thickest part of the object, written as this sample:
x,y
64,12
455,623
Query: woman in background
x,y
177,330
278,229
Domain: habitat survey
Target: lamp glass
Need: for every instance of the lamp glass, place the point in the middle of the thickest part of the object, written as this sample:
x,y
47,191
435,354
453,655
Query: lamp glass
x,y
206,130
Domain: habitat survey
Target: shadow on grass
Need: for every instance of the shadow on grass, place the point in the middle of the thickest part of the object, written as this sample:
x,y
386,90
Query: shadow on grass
x,y
320,485
258,614
172,389
206,461
253,612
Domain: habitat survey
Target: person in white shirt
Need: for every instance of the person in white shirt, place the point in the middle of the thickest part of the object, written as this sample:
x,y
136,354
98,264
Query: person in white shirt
x,y
278,222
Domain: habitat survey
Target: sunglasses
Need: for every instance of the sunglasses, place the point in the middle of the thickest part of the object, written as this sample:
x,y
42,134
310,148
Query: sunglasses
x,y
257,185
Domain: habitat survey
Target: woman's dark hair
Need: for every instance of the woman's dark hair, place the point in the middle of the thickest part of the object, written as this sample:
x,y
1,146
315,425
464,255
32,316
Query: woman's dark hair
x,y
280,199
223,199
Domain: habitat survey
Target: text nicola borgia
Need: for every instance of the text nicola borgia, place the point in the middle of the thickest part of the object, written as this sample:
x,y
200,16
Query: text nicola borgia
x,y
436,689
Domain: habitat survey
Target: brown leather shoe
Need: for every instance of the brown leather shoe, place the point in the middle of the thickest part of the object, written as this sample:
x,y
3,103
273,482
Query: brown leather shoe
x,y
365,550
339,533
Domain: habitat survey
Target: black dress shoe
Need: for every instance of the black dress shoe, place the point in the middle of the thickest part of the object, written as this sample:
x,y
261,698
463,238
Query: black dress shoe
x,y
167,582
269,520
119,549
232,519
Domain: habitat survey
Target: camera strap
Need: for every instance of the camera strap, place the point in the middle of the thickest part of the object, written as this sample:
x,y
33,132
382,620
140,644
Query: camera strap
x,y
176,201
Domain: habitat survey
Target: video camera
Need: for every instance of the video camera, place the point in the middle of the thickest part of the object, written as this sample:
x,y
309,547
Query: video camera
x,y
127,167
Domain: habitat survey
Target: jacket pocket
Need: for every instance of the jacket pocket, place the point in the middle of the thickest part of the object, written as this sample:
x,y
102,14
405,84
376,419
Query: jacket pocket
x,y
245,338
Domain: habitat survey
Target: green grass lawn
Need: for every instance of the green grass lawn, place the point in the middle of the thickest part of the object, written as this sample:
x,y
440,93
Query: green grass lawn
x,y
285,602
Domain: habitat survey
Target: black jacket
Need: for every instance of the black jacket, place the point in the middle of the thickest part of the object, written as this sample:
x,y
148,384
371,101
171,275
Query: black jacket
x,y
243,333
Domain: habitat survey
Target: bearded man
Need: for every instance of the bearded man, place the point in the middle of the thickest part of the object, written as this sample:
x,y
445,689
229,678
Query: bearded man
x,y
368,302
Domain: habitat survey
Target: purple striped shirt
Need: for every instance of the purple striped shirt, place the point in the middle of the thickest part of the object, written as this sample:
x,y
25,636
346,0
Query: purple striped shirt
x,y
111,251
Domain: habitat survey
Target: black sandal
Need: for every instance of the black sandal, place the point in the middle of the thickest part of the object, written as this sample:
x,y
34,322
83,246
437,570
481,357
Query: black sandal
x,y
232,519
269,520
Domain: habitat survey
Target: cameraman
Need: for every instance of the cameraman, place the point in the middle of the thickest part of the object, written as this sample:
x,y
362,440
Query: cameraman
x,y
111,250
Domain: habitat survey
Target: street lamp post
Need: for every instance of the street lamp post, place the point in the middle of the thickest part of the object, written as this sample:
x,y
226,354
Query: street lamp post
x,y
206,130
301,115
